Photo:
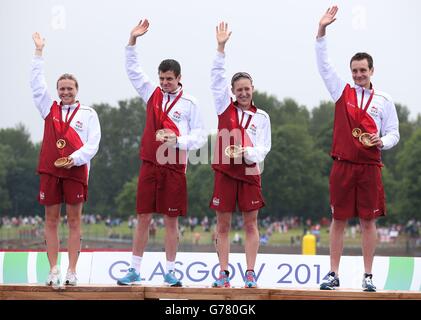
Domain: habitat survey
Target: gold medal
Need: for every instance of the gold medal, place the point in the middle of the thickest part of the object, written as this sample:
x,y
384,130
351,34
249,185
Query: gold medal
x,y
61,143
233,151
365,140
356,132
61,162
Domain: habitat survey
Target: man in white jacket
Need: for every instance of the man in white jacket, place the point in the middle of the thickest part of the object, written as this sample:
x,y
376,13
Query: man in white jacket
x,y
173,127
365,123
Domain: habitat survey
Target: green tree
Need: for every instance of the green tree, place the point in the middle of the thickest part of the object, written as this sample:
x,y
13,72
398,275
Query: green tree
x,y
117,161
200,189
287,111
321,126
293,180
406,129
21,181
391,190
5,204
126,199
409,185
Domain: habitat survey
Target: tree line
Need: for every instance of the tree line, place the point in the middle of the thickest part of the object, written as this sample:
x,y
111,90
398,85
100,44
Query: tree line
x,y
295,177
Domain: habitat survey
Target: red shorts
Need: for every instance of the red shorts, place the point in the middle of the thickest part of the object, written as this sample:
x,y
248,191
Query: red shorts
x,y
228,191
356,190
53,190
161,190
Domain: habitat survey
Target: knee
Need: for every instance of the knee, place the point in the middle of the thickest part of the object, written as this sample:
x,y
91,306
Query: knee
x,y
144,220
51,222
367,225
338,225
223,228
250,227
73,223
171,224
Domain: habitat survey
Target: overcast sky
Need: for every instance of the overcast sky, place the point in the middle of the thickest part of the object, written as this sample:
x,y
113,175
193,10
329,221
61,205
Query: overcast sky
x,y
272,39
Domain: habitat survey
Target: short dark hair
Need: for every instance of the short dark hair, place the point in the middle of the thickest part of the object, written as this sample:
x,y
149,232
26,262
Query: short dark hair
x,y
240,75
68,76
170,65
361,56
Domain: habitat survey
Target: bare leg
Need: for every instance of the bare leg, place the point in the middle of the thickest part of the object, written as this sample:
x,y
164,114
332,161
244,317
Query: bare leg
x,y
74,212
252,237
223,226
52,219
141,234
337,228
171,237
369,242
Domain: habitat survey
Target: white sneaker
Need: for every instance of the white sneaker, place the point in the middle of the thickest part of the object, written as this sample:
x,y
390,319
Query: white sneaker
x,y
71,279
54,278
368,283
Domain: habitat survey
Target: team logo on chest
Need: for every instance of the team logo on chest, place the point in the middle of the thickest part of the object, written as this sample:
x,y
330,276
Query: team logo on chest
x,y
79,125
253,129
374,111
176,116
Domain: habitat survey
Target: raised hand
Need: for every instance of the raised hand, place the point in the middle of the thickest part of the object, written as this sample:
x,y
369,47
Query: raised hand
x,y
327,19
138,31
222,35
329,16
38,41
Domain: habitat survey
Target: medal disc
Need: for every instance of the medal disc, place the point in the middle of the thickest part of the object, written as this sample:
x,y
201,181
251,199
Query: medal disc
x,y
356,132
61,143
365,140
61,162
233,151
